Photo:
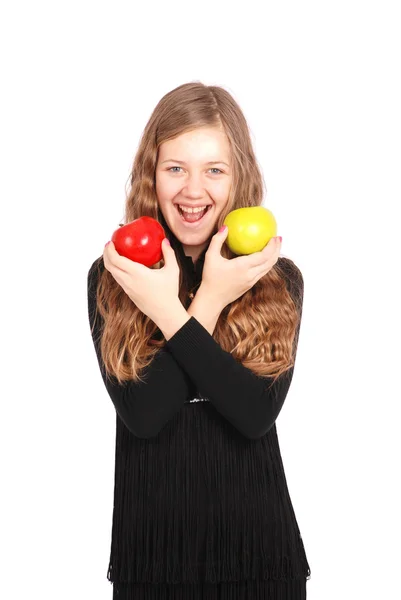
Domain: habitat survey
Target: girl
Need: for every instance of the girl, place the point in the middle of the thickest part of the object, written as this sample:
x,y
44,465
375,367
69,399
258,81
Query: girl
x,y
197,355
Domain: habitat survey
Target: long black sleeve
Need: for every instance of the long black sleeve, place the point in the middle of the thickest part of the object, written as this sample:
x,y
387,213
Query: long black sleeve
x,y
192,356
242,397
143,407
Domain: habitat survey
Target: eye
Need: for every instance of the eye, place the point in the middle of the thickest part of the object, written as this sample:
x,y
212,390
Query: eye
x,y
212,169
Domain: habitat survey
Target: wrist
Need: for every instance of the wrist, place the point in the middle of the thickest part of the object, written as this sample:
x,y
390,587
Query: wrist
x,y
173,318
207,296
205,310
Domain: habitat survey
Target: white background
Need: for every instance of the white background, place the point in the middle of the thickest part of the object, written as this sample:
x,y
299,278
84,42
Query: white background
x,y
319,83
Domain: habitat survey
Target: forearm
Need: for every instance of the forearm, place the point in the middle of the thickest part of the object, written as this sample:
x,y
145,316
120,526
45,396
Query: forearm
x,y
205,310
249,401
144,407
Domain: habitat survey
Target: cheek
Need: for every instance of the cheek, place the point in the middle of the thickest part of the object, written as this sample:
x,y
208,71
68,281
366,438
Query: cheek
x,y
166,187
220,191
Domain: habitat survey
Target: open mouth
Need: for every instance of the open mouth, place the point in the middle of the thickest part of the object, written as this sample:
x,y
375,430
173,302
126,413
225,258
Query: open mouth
x,y
192,218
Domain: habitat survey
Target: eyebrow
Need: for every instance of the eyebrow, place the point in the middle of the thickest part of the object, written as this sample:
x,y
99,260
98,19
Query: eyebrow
x,y
181,162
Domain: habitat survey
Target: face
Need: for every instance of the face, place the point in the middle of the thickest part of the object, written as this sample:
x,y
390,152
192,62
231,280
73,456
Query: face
x,y
185,176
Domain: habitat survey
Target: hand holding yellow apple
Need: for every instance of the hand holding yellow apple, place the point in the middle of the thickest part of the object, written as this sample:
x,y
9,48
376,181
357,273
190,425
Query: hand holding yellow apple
x,y
250,229
225,280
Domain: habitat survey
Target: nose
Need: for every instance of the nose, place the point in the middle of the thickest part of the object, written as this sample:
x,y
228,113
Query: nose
x,y
194,188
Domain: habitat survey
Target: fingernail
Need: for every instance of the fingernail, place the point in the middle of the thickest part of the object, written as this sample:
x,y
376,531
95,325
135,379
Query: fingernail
x,y
106,244
279,238
222,228
167,241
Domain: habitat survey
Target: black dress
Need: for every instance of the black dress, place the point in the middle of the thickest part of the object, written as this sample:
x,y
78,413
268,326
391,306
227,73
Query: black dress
x,y
201,503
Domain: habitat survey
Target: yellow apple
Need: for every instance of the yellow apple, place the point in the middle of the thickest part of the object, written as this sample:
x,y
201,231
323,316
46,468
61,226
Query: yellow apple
x,y
249,229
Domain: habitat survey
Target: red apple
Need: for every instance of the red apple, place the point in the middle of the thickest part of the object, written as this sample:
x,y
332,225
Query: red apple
x,y
140,241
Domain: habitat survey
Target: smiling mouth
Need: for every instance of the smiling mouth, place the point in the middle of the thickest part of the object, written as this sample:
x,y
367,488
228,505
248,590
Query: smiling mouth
x,y
192,217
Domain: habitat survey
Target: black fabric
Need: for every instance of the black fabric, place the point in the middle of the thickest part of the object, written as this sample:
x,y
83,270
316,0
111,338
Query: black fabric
x,y
200,493
256,589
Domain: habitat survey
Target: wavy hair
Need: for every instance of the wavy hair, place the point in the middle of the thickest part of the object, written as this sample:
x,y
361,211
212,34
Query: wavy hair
x,y
260,329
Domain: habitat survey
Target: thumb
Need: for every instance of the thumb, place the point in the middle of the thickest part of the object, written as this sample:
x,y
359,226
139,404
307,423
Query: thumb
x,y
168,252
219,238
217,241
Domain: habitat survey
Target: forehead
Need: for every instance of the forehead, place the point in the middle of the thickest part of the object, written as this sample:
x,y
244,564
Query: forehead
x,y
200,145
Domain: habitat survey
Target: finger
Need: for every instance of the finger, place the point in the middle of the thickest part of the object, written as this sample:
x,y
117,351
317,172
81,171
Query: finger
x,y
272,245
168,253
111,258
118,274
273,254
218,240
257,259
262,269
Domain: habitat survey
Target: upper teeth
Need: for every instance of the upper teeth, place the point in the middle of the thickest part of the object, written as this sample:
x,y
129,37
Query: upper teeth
x,y
192,210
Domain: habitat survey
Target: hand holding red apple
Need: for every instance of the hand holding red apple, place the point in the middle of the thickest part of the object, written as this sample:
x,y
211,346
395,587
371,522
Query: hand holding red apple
x,y
224,280
153,291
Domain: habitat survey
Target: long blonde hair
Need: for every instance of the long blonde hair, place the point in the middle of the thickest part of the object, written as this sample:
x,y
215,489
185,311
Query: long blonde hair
x,y
260,329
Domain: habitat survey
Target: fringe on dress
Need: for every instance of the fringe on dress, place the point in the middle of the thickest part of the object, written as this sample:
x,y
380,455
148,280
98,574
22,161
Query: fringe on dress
x,y
241,590
200,509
